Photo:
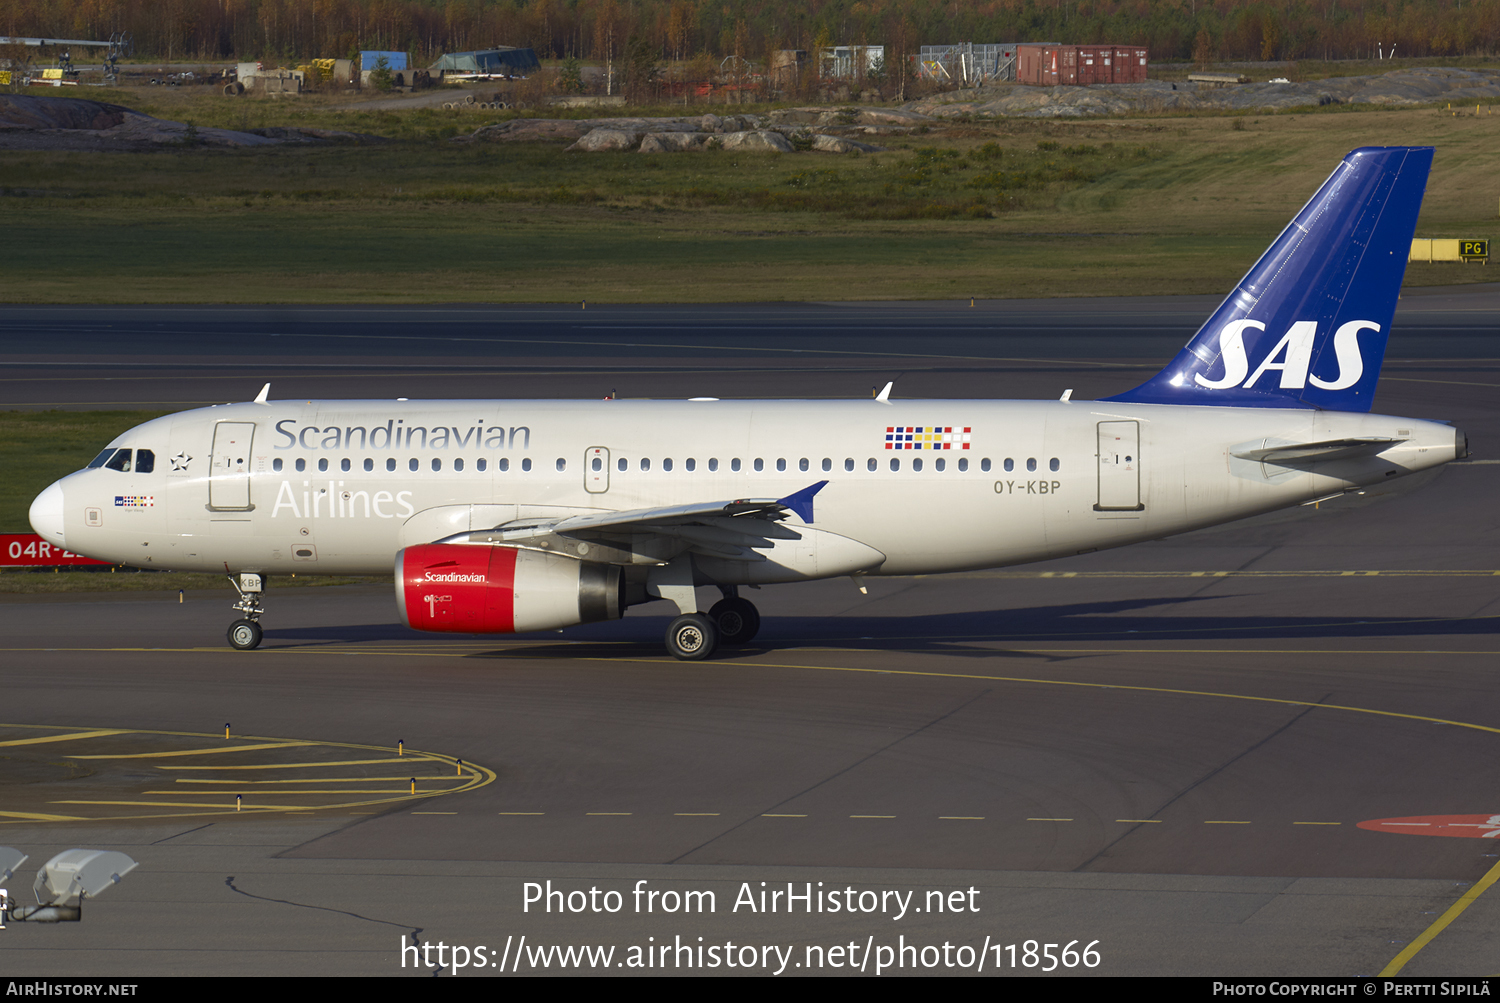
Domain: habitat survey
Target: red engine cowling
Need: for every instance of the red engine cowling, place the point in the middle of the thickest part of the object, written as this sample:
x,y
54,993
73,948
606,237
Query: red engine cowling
x,y
501,590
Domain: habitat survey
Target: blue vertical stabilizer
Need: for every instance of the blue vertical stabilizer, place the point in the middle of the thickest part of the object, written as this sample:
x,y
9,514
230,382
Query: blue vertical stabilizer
x,y
1307,326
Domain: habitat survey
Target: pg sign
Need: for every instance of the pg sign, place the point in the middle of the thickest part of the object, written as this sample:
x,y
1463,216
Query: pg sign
x,y
1474,250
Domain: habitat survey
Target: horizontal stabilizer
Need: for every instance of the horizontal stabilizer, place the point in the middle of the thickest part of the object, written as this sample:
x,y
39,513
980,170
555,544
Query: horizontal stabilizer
x,y
1317,452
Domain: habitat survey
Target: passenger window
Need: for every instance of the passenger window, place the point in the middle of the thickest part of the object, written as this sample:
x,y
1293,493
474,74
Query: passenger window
x,y
562,464
504,464
1010,464
437,464
623,464
480,464
1053,464
941,464
759,464
963,465
369,464
276,464
458,464
344,464
120,461
526,465
323,464
984,464
802,463
713,464
916,464
98,461
871,465
413,464
597,464
666,464
645,464
301,464
691,464
827,464
895,463
781,465
849,464
390,463
145,461
734,464
1031,464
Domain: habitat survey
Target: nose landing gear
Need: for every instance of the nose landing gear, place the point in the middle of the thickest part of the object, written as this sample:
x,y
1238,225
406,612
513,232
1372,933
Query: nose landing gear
x,y
245,633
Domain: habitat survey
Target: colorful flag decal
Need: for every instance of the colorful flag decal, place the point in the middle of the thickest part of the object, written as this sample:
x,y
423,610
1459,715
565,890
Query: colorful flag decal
x,y
926,437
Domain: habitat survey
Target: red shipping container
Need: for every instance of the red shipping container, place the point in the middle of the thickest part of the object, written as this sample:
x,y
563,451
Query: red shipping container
x,y
1047,64
1130,64
1029,64
1095,64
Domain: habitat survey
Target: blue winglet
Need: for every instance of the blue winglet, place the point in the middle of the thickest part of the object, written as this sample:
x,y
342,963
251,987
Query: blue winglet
x,y
801,501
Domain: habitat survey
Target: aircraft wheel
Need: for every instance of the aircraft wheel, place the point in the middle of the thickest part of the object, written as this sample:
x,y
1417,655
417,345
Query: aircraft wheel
x,y
244,634
737,619
692,637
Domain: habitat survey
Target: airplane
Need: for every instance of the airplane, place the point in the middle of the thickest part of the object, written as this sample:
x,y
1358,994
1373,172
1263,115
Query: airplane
x,y
524,515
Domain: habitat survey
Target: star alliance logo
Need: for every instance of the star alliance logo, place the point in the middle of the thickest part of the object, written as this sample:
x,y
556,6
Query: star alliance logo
x,y
180,461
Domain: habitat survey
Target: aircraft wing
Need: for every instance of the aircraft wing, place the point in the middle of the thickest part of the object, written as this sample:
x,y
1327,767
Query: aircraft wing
x,y
761,508
732,529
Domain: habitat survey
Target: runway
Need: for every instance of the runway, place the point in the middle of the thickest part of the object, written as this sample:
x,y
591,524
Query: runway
x,y
1261,749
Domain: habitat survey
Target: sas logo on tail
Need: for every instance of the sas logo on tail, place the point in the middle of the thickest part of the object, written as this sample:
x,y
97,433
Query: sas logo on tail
x,y
1292,357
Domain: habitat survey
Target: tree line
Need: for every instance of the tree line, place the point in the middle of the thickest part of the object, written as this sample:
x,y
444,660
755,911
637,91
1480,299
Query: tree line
x,y
682,30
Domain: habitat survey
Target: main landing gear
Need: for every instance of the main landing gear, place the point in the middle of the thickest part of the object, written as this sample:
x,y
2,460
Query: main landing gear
x,y
245,633
737,619
692,637
695,636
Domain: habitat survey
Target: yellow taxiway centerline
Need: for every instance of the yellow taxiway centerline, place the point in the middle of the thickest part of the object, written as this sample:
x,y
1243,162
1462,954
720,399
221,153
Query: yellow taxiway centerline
x,y
69,737
285,793
1441,923
409,757
306,780
198,752
472,777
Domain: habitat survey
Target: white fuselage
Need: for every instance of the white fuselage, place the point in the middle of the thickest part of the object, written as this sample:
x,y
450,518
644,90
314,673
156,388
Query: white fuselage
x,y
338,487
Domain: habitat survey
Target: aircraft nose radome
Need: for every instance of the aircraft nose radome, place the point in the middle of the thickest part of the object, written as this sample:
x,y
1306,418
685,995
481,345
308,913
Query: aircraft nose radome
x,y
47,514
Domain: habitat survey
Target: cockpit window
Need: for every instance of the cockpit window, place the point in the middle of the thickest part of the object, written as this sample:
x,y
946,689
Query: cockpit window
x,y
145,461
98,461
120,461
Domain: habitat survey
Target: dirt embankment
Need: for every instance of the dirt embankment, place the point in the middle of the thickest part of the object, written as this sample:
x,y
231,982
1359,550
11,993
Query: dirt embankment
x,y
58,123
1397,88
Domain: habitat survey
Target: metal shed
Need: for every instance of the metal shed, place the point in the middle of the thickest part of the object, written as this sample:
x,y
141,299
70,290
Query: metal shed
x,y
504,60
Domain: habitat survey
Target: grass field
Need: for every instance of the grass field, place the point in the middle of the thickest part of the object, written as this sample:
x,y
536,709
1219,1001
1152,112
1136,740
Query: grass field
x,y
1177,204
52,582
39,447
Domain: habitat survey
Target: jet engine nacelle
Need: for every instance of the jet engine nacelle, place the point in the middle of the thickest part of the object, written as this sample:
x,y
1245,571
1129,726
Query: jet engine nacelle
x,y
501,590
